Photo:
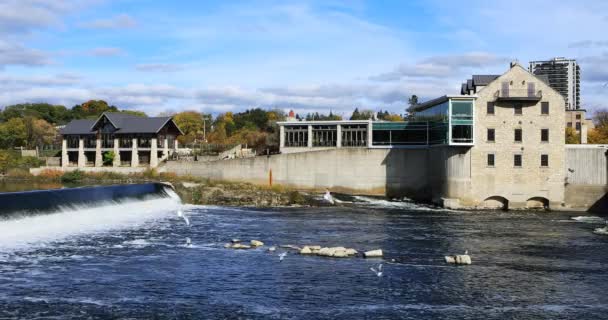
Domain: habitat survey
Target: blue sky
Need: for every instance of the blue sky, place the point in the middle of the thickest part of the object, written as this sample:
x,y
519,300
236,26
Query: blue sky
x,y
217,56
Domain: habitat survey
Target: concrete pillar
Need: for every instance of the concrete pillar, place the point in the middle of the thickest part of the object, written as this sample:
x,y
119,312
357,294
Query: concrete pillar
x,y
98,157
583,133
176,144
339,136
65,161
82,160
154,153
310,136
281,137
134,155
166,148
116,161
369,134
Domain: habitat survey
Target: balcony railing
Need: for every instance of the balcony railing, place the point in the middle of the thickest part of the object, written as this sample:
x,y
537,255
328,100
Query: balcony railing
x,y
518,95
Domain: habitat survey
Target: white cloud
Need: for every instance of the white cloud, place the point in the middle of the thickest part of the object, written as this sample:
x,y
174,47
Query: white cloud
x,y
16,54
442,66
11,82
121,21
106,52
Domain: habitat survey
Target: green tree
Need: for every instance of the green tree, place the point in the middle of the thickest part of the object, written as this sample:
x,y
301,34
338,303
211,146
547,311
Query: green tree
x,y
356,115
108,157
13,133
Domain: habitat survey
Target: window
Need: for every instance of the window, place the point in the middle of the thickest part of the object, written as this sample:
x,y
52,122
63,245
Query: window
x,y
490,159
569,124
544,135
578,117
578,126
544,160
518,109
517,135
490,108
544,107
517,160
491,135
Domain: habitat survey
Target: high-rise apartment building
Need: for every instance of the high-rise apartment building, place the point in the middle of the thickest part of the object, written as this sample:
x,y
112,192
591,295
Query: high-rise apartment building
x,y
563,75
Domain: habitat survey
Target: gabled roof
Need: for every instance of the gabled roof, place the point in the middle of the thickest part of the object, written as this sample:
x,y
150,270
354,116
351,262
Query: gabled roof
x,y
78,127
484,79
123,122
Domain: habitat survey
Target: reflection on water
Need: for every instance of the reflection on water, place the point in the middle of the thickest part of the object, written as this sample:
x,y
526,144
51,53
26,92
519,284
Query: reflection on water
x,y
20,185
525,266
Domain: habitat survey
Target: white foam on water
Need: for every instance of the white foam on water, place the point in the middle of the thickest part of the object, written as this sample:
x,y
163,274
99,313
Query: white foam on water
x,y
589,219
38,230
406,204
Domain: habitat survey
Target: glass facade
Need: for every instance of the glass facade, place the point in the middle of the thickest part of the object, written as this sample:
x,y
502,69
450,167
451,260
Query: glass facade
x,y
461,121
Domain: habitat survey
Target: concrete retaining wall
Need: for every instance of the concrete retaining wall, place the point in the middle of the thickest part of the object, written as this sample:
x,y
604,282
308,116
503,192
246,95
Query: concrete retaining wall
x,y
391,172
586,178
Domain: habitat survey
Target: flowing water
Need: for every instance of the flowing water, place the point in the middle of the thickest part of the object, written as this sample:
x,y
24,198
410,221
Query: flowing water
x,y
132,260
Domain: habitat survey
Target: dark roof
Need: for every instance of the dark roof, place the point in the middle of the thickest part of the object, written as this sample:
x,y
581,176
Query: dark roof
x,y
142,125
484,79
470,84
78,127
124,123
463,88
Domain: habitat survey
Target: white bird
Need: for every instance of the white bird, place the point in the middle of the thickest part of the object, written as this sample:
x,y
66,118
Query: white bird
x,y
378,271
328,197
282,256
188,243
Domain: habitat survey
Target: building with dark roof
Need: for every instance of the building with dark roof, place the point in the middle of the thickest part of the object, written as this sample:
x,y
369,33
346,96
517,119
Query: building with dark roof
x,y
132,140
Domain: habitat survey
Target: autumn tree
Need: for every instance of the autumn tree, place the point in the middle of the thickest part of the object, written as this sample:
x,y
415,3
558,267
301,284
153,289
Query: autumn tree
x,y
40,132
191,124
572,137
92,109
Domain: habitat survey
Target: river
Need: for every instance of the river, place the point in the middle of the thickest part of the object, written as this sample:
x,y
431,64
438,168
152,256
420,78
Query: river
x,y
130,260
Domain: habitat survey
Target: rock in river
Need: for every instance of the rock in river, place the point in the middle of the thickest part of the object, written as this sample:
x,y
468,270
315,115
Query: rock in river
x,y
306,250
373,253
256,243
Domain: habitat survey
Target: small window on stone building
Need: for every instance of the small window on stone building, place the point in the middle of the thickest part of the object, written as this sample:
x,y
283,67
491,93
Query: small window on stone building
x,y
569,124
491,135
544,160
578,126
491,159
544,135
578,117
518,109
490,108
518,134
517,160
544,107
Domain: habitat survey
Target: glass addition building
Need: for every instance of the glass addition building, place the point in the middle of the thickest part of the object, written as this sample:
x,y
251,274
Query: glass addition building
x,y
450,120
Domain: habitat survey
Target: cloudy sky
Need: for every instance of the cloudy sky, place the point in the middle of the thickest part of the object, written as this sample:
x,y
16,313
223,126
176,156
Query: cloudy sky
x,y
217,56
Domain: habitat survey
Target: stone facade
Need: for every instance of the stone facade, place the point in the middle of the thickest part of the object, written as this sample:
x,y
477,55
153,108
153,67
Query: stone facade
x,y
529,184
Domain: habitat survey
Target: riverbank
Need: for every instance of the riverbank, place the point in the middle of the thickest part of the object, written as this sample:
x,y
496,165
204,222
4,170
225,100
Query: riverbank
x,y
192,190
